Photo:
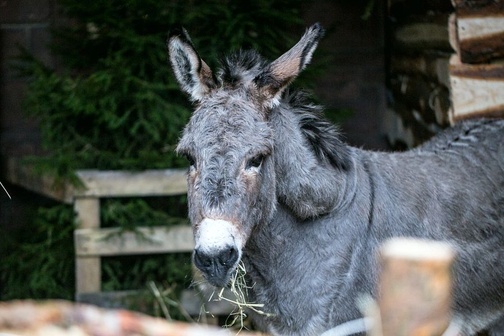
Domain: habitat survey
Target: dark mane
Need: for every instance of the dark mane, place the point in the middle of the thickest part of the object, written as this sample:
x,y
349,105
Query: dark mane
x,y
241,67
323,136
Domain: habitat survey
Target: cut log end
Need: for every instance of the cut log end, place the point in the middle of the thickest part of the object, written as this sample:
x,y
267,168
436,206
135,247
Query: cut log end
x,y
415,287
417,250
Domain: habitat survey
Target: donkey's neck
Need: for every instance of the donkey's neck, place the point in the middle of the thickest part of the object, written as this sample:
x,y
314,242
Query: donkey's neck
x,y
310,160
312,264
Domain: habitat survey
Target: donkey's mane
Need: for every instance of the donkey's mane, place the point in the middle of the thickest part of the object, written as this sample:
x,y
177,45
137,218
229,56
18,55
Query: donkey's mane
x,y
323,136
241,68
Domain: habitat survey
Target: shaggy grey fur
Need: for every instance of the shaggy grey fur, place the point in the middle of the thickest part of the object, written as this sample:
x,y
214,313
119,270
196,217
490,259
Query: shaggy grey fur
x,y
312,211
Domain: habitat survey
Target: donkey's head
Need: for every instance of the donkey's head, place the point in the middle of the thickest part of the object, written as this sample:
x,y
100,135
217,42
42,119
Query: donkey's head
x,y
229,144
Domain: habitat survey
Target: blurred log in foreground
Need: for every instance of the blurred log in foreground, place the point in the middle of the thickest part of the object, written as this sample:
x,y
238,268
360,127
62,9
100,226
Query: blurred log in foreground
x,y
415,287
62,318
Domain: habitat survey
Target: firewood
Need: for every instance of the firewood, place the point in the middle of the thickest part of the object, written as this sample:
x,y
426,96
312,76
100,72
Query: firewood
x,y
476,90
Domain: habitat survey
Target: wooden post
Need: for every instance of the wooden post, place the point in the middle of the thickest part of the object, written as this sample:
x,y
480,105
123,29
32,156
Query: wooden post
x,y
87,269
415,287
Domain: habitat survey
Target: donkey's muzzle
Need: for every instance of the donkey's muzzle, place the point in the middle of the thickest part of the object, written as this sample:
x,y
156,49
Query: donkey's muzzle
x,y
216,267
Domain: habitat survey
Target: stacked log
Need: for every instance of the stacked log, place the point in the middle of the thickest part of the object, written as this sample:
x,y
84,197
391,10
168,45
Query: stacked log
x,y
446,64
418,81
477,68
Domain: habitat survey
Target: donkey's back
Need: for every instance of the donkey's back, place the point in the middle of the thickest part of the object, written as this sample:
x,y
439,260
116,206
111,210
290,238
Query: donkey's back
x,y
452,189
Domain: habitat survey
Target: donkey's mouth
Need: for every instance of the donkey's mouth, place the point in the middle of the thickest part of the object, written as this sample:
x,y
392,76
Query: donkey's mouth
x,y
217,280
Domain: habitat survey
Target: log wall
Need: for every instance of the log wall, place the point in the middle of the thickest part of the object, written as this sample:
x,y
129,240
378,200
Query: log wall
x,y
445,64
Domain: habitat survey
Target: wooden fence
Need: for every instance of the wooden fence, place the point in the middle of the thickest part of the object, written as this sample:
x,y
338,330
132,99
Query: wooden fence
x,y
90,242
93,242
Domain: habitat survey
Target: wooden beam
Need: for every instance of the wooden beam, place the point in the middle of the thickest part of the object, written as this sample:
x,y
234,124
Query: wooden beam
x,y
476,90
98,183
87,269
124,184
113,241
415,287
19,172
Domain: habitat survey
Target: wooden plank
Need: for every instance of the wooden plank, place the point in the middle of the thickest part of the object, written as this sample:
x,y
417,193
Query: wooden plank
x,y
123,184
415,287
98,183
20,173
476,90
87,269
112,242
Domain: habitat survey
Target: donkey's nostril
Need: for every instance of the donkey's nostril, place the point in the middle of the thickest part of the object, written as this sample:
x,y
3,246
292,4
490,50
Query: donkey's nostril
x,y
202,260
228,257
221,261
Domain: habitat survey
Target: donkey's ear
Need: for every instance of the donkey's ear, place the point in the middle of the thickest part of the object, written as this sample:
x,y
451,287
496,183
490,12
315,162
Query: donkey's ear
x,y
193,74
284,69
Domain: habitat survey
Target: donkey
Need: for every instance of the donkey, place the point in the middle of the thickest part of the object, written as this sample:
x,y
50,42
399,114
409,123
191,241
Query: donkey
x,y
271,183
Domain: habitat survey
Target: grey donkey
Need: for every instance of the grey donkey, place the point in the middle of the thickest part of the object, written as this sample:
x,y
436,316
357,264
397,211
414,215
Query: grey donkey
x,y
272,184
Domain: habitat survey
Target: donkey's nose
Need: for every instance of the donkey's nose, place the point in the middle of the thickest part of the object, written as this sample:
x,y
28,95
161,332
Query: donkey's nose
x,y
216,266
227,257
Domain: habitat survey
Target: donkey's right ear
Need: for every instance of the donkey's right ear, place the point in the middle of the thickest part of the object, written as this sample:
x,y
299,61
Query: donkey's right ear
x,y
193,74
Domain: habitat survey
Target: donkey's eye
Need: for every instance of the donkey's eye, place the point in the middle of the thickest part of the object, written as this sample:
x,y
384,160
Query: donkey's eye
x,y
190,159
255,162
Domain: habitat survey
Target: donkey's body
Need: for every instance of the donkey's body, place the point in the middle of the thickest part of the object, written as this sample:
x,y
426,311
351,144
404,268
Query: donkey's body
x,y
310,272
272,184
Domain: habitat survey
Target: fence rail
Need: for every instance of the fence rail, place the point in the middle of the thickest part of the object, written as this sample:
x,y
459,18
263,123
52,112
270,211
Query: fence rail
x,y
93,242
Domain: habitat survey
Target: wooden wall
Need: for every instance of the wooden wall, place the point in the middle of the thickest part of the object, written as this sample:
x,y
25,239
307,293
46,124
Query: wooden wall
x,y
446,63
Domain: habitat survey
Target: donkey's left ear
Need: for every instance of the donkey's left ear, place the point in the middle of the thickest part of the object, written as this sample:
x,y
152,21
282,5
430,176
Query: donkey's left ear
x,y
193,74
287,67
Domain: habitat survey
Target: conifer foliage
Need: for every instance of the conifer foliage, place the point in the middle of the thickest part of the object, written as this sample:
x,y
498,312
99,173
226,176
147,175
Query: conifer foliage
x,y
116,104
113,103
